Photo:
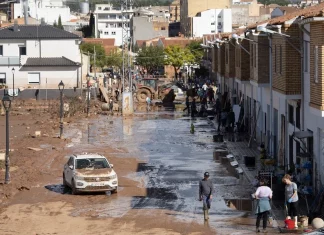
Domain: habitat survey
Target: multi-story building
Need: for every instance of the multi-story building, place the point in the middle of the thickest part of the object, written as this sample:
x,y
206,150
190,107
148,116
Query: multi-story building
x,y
277,79
190,8
109,22
49,10
211,21
174,10
149,23
39,56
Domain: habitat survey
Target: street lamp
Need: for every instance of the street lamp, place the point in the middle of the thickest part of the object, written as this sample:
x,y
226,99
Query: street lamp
x,y
13,82
88,95
61,88
6,101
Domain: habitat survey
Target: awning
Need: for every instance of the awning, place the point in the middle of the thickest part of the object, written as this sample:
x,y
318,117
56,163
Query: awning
x,y
303,134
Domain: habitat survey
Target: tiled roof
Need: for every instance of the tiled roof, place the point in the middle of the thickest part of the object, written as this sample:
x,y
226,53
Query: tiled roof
x,y
107,43
35,31
313,11
288,9
49,61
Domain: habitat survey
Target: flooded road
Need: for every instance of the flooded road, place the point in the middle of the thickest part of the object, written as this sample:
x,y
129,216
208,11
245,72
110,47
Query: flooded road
x,y
159,164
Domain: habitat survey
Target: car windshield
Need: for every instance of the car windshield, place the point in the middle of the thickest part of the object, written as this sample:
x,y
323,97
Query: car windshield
x,y
95,163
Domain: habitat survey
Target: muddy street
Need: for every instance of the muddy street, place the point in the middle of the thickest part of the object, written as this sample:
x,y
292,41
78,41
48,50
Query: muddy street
x,y
159,164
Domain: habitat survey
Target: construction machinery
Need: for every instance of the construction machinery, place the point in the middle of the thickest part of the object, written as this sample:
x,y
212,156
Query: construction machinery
x,y
153,88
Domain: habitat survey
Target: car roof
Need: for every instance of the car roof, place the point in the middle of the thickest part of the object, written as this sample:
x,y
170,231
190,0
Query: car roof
x,y
88,155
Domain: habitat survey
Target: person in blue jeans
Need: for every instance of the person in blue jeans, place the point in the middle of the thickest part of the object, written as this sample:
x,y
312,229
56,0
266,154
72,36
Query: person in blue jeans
x,y
206,190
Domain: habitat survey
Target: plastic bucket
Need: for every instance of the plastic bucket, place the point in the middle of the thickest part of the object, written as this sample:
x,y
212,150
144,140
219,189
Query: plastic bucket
x,y
291,224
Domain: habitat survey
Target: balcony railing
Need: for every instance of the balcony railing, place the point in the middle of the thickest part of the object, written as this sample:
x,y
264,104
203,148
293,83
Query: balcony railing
x,y
9,60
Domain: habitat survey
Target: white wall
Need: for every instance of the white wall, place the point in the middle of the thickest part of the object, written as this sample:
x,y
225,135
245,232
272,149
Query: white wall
x,y
59,48
49,10
212,21
54,75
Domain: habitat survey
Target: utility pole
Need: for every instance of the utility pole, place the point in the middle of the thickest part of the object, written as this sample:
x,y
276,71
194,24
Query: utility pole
x,y
94,64
127,97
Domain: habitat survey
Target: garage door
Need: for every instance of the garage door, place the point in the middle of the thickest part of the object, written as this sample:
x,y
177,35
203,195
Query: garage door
x,y
33,78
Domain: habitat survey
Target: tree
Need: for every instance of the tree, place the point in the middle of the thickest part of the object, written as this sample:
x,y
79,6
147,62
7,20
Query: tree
x,y
59,23
55,24
151,58
100,53
115,59
177,57
196,50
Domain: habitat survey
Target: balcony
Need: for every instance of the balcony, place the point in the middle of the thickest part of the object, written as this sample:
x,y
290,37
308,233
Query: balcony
x,y
9,61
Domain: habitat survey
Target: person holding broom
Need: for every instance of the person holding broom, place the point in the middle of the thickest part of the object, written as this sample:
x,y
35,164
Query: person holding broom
x,y
291,196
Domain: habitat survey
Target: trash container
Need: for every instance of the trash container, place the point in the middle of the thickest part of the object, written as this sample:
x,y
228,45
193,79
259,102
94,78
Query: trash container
x,y
249,161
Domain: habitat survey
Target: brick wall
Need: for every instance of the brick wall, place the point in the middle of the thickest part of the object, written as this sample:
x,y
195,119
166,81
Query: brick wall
x,y
262,55
286,64
221,60
242,61
316,87
215,60
230,59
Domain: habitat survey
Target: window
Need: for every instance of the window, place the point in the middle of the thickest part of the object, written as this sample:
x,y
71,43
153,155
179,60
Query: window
x,y
107,25
280,59
163,28
212,23
316,64
33,78
275,62
213,31
219,17
22,51
99,8
291,114
113,33
106,33
120,25
1,50
2,78
298,116
220,23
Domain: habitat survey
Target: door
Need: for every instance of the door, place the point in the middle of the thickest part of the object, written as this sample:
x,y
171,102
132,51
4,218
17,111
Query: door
x,y
291,151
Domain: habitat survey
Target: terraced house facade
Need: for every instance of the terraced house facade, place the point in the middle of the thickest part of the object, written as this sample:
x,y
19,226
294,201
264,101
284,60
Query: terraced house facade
x,y
274,70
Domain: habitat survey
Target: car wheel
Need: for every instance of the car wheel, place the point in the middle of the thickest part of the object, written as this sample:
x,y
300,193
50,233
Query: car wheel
x,y
64,181
114,191
73,188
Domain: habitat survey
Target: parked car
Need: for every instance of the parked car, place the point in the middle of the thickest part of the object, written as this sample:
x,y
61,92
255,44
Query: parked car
x,y
89,173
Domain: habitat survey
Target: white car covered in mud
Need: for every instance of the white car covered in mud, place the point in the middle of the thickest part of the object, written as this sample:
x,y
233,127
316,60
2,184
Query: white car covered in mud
x,y
89,173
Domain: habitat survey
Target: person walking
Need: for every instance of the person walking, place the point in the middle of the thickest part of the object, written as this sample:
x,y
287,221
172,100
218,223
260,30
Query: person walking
x,y
187,105
148,103
263,195
117,94
193,107
291,196
206,190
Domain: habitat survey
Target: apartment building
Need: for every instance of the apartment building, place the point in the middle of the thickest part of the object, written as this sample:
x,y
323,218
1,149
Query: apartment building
x,y
190,8
211,21
109,22
278,80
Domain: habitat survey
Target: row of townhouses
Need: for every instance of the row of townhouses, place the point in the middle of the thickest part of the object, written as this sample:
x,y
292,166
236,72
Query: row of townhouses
x,y
274,70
